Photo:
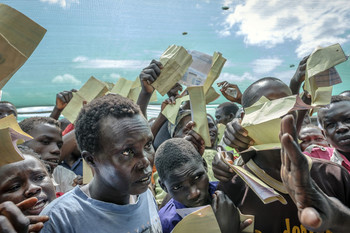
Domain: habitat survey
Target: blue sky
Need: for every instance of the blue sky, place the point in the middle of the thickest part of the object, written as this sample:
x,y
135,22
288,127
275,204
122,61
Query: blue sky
x,y
117,38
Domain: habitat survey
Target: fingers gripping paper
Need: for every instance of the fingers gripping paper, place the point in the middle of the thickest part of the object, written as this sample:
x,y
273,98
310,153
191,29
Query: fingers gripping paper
x,y
199,112
92,89
263,119
19,36
175,61
171,111
136,90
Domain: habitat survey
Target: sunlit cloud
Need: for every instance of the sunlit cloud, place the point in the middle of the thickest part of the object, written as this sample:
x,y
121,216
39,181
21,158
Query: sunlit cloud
x,y
268,23
263,66
113,77
232,78
84,62
66,79
62,3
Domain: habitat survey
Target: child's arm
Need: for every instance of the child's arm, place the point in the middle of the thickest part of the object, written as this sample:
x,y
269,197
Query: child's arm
x,y
62,99
147,77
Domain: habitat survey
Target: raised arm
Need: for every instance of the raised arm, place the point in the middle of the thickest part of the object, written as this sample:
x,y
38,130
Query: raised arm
x,y
62,99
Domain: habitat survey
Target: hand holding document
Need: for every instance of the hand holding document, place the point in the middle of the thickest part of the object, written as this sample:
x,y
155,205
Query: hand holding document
x,y
263,191
171,111
321,75
263,119
175,61
10,135
19,36
92,89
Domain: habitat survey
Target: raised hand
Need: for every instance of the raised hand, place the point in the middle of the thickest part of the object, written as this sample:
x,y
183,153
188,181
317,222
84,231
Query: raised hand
x,y
149,74
224,85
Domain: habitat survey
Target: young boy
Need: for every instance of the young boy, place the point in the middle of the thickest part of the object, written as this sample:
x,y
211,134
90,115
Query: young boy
x,y
47,142
226,112
335,120
183,174
329,177
116,141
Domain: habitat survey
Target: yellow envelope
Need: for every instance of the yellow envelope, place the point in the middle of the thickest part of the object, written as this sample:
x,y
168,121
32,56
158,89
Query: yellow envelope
x,y
321,60
171,111
263,120
92,89
211,95
19,36
215,70
175,61
122,87
199,112
200,221
11,122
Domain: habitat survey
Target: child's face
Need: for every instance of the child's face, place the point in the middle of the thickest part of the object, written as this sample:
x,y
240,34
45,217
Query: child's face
x,y
311,136
188,184
125,160
7,109
336,124
47,142
221,117
213,130
25,179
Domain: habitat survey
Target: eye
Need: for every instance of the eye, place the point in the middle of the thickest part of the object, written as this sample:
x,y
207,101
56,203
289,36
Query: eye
x,y
319,139
45,142
197,177
330,125
14,188
39,177
59,145
128,152
149,145
176,187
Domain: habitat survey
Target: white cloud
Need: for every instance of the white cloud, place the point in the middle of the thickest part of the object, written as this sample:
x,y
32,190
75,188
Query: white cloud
x,y
84,62
263,66
61,3
66,79
113,77
268,23
232,78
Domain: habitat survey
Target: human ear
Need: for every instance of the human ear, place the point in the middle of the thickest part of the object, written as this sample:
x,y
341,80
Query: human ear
x,y
231,116
89,158
162,185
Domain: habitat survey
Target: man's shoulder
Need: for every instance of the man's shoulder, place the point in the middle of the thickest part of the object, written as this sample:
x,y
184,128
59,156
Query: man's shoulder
x,y
67,201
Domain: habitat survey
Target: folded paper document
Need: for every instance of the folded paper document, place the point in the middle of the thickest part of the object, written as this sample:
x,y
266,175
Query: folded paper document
x,y
321,75
171,110
175,61
19,36
199,112
92,89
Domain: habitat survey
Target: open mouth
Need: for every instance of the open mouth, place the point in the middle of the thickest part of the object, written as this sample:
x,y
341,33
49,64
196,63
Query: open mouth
x,y
39,206
145,180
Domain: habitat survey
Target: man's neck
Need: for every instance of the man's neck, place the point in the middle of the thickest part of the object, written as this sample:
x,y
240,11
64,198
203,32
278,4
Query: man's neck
x,y
100,191
270,162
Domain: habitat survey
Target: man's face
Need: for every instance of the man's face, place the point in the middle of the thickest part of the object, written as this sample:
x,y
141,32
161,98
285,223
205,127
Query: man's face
x,y
25,179
188,184
7,109
311,136
336,124
125,161
213,130
221,117
47,142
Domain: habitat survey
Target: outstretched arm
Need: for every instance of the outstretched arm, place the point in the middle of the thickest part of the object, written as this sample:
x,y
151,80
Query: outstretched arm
x,y
316,211
62,99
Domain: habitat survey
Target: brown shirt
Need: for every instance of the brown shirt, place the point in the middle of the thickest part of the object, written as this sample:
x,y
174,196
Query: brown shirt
x,y
332,178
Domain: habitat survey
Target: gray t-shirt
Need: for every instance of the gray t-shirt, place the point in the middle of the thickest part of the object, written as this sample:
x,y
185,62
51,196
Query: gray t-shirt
x,y
76,212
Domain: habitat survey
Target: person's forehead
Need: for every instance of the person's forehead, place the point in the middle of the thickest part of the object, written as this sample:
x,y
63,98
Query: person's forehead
x,y
28,165
6,106
338,108
310,130
45,129
219,111
184,171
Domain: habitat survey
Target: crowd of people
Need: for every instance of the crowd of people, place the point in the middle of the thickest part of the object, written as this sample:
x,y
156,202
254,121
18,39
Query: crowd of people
x,y
144,171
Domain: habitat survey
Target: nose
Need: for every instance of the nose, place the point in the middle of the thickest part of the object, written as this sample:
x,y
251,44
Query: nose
x,y
342,128
194,193
143,163
55,150
32,190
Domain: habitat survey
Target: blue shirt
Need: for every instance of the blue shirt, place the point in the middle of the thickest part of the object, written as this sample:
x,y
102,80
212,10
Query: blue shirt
x,y
77,166
76,212
168,215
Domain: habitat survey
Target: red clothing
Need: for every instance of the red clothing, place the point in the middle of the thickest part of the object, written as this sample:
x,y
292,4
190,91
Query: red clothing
x,y
69,128
328,153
